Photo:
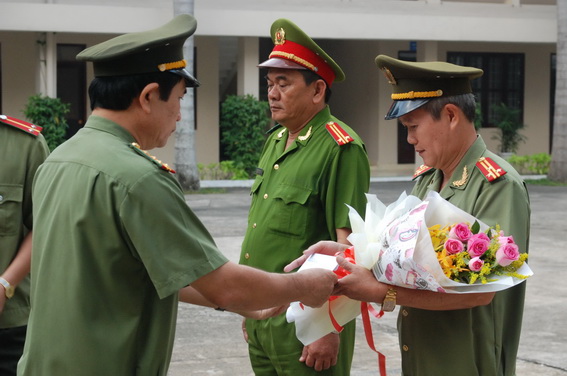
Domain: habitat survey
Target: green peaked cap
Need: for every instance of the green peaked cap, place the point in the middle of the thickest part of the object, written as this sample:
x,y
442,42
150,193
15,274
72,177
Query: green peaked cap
x,y
416,83
293,45
151,51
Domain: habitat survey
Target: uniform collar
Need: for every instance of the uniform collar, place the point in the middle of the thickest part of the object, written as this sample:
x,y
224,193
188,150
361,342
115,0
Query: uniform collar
x,y
108,126
462,174
310,128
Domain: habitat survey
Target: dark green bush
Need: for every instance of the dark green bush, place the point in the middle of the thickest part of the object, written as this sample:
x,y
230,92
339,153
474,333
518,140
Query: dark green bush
x,y
48,113
244,121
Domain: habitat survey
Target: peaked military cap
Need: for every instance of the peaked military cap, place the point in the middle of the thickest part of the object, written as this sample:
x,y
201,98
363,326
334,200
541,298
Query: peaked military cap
x,y
293,49
156,50
414,84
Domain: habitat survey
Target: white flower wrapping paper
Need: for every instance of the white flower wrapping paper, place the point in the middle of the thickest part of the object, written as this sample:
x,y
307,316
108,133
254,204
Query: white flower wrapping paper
x,y
394,242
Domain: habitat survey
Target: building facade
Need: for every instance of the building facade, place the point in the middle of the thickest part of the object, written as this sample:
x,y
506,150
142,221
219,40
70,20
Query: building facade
x,y
514,41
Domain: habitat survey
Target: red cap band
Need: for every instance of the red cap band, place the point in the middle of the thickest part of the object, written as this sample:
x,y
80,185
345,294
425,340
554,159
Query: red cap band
x,y
305,57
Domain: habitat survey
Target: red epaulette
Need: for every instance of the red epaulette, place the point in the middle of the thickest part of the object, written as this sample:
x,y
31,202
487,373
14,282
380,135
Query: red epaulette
x,y
338,133
420,171
490,169
160,164
29,128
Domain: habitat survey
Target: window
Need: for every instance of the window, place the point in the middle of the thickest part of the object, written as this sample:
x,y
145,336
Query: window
x,y
502,81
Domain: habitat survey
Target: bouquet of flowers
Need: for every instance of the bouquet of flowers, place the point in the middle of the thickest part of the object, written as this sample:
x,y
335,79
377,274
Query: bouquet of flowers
x,y
429,244
467,255
437,246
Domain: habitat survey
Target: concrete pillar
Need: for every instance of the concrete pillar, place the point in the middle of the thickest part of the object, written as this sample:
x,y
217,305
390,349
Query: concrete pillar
x,y
47,84
247,76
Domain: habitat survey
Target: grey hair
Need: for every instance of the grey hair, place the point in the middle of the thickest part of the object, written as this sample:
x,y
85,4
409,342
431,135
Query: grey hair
x,y
466,102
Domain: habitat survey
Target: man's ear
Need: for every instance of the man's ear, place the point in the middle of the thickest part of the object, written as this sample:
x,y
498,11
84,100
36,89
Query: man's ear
x,y
320,88
148,94
453,113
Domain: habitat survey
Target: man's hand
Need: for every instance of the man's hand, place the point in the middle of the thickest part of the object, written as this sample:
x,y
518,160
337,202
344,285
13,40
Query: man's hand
x,y
323,353
326,247
360,284
315,285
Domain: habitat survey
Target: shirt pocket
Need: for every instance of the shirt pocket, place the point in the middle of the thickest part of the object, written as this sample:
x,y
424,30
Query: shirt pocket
x,y
290,210
10,208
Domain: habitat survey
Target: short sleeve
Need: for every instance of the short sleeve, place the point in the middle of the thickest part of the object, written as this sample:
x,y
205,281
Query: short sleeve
x,y
173,244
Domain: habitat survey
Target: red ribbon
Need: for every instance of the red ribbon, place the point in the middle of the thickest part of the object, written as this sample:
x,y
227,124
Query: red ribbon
x,y
365,308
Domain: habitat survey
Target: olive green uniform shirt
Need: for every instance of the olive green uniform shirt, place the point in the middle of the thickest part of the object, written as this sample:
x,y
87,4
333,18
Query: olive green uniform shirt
x,y
298,199
113,243
21,154
483,340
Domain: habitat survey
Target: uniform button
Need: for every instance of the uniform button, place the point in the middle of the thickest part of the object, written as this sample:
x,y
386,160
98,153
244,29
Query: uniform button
x,y
265,196
276,166
405,313
405,347
254,225
247,256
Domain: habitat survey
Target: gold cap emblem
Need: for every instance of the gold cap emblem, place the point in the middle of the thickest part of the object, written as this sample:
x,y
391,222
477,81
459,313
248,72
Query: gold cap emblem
x,y
389,76
279,36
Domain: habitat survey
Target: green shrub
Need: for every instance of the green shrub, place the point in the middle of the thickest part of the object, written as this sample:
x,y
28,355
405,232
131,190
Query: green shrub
x,y
531,164
225,170
48,113
509,124
244,121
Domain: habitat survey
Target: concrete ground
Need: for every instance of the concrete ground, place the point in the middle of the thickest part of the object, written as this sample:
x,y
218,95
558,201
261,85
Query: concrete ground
x,y
210,342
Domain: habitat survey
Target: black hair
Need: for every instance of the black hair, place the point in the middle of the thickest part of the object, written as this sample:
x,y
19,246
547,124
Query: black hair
x,y
466,102
310,77
118,92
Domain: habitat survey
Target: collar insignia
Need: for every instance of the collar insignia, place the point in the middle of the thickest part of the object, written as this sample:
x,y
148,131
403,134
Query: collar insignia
x,y
463,180
306,135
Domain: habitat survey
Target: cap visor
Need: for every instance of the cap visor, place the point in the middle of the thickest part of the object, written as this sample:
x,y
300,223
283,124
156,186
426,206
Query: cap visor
x,y
190,81
400,108
280,63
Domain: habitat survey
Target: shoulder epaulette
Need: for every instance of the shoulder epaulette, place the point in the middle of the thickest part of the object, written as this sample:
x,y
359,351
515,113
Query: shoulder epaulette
x,y
271,130
29,128
151,158
421,170
490,169
340,136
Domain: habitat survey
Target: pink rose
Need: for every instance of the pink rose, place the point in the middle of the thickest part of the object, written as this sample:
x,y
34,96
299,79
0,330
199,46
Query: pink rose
x,y
478,244
507,253
506,240
475,264
460,231
453,246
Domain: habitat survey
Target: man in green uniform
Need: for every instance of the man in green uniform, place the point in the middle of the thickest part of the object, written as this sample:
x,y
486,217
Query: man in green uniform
x,y
311,165
114,241
456,334
22,150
